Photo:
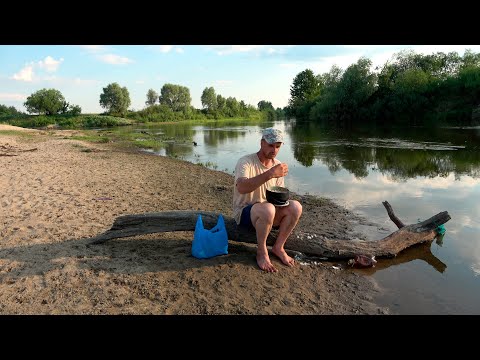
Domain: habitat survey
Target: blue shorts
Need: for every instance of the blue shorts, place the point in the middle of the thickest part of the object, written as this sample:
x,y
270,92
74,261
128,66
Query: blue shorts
x,y
246,220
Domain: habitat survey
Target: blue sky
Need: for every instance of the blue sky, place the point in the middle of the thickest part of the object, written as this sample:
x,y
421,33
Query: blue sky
x,y
247,72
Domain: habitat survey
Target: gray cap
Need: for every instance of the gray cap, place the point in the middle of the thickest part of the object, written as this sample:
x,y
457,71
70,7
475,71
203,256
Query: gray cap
x,y
272,135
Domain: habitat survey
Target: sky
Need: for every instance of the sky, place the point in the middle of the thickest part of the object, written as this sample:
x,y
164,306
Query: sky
x,y
251,73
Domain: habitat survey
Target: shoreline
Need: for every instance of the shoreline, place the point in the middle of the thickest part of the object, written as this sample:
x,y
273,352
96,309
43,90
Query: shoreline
x,y
58,196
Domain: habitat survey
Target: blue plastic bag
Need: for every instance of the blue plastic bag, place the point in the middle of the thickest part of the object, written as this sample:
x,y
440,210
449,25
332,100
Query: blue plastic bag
x,y
210,243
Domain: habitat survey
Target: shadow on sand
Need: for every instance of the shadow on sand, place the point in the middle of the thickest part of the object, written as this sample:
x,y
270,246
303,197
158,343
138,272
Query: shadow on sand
x,y
141,254
153,253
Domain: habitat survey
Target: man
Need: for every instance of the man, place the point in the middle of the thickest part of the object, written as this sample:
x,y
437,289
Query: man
x,y
254,174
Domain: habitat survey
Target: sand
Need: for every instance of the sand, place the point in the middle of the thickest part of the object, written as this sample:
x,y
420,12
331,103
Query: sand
x,y
57,192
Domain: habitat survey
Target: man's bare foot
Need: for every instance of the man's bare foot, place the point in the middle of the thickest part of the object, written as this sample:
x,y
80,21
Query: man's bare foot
x,y
265,264
282,255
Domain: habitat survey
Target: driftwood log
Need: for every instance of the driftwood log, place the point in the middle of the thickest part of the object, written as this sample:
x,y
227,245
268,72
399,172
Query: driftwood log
x,y
307,243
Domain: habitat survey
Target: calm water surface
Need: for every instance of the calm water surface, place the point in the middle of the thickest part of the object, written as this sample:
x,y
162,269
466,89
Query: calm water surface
x,y
419,172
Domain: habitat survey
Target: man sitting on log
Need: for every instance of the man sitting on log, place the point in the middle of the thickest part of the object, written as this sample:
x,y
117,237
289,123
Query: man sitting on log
x,y
254,174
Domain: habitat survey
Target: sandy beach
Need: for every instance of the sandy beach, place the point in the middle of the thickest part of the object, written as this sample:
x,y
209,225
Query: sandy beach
x,y
57,192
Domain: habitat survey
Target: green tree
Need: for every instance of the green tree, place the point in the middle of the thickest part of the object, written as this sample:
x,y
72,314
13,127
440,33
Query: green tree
x,y
342,98
45,101
176,97
265,105
280,113
331,79
152,97
408,95
70,109
115,99
355,88
470,59
9,110
209,99
221,103
74,110
242,108
232,106
305,87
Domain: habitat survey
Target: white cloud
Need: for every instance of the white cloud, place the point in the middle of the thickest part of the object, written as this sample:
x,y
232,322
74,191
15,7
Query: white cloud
x,y
380,58
50,64
476,269
378,54
115,59
140,82
165,48
94,48
431,49
229,49
324,64
257,49
445,183
12,97
378,187
25,74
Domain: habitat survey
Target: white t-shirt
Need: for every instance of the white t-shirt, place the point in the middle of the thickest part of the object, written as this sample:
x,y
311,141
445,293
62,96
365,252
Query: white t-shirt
x,y
250,166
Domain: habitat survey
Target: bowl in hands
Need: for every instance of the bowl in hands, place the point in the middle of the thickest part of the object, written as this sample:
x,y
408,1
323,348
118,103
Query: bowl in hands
x,y
278,195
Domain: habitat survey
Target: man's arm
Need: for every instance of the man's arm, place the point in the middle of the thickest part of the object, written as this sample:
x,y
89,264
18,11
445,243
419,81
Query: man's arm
x,y
245,185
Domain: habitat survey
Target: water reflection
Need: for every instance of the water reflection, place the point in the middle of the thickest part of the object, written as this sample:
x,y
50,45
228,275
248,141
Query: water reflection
x,y
421,252
218,136
400,154
408,155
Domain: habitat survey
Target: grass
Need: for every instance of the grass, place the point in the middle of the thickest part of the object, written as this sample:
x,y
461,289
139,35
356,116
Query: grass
x,y
148,144
22,134
90,138
122,138
208,164
223,121
68,121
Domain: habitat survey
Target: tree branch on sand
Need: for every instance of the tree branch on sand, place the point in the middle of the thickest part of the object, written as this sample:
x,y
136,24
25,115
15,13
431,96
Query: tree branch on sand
x,y
10,150
308,243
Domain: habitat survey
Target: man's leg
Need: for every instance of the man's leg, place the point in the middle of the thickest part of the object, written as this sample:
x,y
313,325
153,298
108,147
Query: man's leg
x,y
288,218
262,215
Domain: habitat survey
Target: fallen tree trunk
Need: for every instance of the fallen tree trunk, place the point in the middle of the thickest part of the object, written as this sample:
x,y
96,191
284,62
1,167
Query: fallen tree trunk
x,y
304,242
420,252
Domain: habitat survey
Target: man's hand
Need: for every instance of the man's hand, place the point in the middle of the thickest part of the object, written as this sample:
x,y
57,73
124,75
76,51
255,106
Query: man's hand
x,y
245,185
279,170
